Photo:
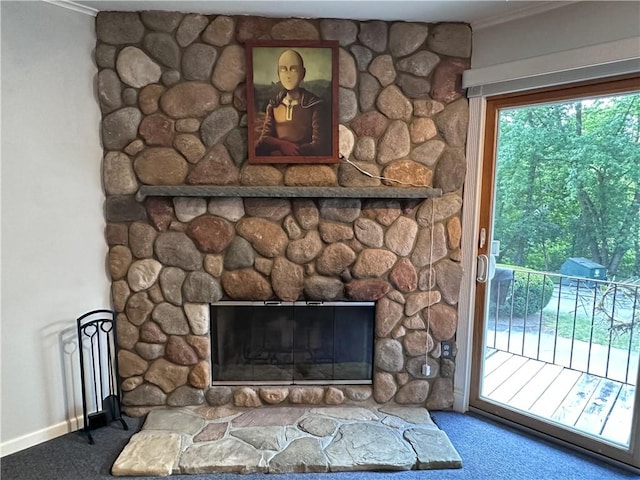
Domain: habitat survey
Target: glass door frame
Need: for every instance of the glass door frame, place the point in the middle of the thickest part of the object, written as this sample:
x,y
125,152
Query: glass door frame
x,y
486,190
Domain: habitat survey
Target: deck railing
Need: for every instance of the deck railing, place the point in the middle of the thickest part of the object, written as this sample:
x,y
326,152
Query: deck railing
x,y
587,325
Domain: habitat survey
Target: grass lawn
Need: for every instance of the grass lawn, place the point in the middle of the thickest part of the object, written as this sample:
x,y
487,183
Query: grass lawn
x,y
590,329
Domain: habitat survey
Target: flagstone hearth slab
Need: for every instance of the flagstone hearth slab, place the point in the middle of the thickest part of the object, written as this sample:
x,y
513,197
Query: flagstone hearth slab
x,y
286,439
303,455
178,420
434,449
228,455
366,446
418,416
346,413
269,417
261,438
148,453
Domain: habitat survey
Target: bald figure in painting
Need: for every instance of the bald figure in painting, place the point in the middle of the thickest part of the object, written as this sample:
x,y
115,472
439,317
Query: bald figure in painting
x,y
296,120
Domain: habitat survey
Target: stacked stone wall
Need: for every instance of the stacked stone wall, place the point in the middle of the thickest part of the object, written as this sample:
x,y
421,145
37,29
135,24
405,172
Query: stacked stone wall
x,y
172,92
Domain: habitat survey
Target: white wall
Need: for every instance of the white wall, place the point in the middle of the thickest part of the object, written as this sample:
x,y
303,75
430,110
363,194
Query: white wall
x,y
573,26
53,247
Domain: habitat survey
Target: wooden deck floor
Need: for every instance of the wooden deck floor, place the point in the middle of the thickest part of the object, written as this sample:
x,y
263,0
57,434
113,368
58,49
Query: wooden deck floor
x,y
589,403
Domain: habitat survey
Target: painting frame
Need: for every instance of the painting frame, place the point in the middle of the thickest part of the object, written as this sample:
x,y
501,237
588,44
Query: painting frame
x,y
302,130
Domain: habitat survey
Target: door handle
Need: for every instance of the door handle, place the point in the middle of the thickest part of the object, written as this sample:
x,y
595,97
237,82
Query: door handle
x,y
482,271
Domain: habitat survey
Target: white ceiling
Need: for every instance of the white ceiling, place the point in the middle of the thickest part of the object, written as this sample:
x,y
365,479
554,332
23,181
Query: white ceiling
x,y
478,13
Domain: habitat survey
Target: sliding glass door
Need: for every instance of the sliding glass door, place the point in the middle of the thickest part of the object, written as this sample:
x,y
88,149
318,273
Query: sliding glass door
x,y
557,315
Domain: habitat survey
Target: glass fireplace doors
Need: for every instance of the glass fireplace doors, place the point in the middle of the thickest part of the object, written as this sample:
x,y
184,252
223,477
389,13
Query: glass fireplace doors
x,y
292,342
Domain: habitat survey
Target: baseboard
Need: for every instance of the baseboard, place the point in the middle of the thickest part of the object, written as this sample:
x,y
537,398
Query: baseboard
x,y
39,436
460,401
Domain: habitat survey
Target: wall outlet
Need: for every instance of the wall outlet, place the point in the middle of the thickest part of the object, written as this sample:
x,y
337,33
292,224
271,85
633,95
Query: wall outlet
x,y
426,370
446,350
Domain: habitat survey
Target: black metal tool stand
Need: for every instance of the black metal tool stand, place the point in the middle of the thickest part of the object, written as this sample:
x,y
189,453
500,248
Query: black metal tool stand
x,y
101,393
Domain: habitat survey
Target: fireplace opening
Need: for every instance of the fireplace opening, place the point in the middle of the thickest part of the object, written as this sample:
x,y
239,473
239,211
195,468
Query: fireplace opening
x,y
292,342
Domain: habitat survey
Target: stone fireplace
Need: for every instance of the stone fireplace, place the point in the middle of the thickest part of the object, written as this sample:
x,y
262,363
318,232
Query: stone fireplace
x,y
190,222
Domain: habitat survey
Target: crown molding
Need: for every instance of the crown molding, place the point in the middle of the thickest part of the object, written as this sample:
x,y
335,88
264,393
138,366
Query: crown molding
x,y
527,11
76,7
519,13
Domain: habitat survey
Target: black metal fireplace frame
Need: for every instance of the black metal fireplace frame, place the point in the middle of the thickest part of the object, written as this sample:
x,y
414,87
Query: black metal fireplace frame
x,y
266,304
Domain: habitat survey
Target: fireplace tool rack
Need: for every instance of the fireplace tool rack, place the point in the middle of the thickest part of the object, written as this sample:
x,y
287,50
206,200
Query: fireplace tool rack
x,y
97,340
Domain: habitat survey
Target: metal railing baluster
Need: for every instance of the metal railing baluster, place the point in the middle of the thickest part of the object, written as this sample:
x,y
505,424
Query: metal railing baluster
x,y
510,323
613,315
573,328
555,338
613,354
495,325
593,320
540,326
633,328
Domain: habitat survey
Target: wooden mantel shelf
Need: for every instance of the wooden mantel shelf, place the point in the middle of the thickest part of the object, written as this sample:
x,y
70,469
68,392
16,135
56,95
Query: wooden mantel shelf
x,y
286,192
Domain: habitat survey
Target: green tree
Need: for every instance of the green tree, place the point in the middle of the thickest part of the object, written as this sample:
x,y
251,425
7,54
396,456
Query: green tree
x,y
530,192
606,177
568,184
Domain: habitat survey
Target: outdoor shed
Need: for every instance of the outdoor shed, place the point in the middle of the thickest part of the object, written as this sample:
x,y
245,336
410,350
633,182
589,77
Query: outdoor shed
x,y
583,268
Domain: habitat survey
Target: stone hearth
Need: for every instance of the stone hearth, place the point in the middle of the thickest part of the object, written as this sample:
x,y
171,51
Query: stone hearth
x,y
285,440
172,90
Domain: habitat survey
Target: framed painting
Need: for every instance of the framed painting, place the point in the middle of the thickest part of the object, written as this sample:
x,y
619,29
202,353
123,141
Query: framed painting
x,y
292,101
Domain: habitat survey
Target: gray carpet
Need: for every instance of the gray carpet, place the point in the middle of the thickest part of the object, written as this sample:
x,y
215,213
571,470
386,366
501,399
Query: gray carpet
x,y
489,451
